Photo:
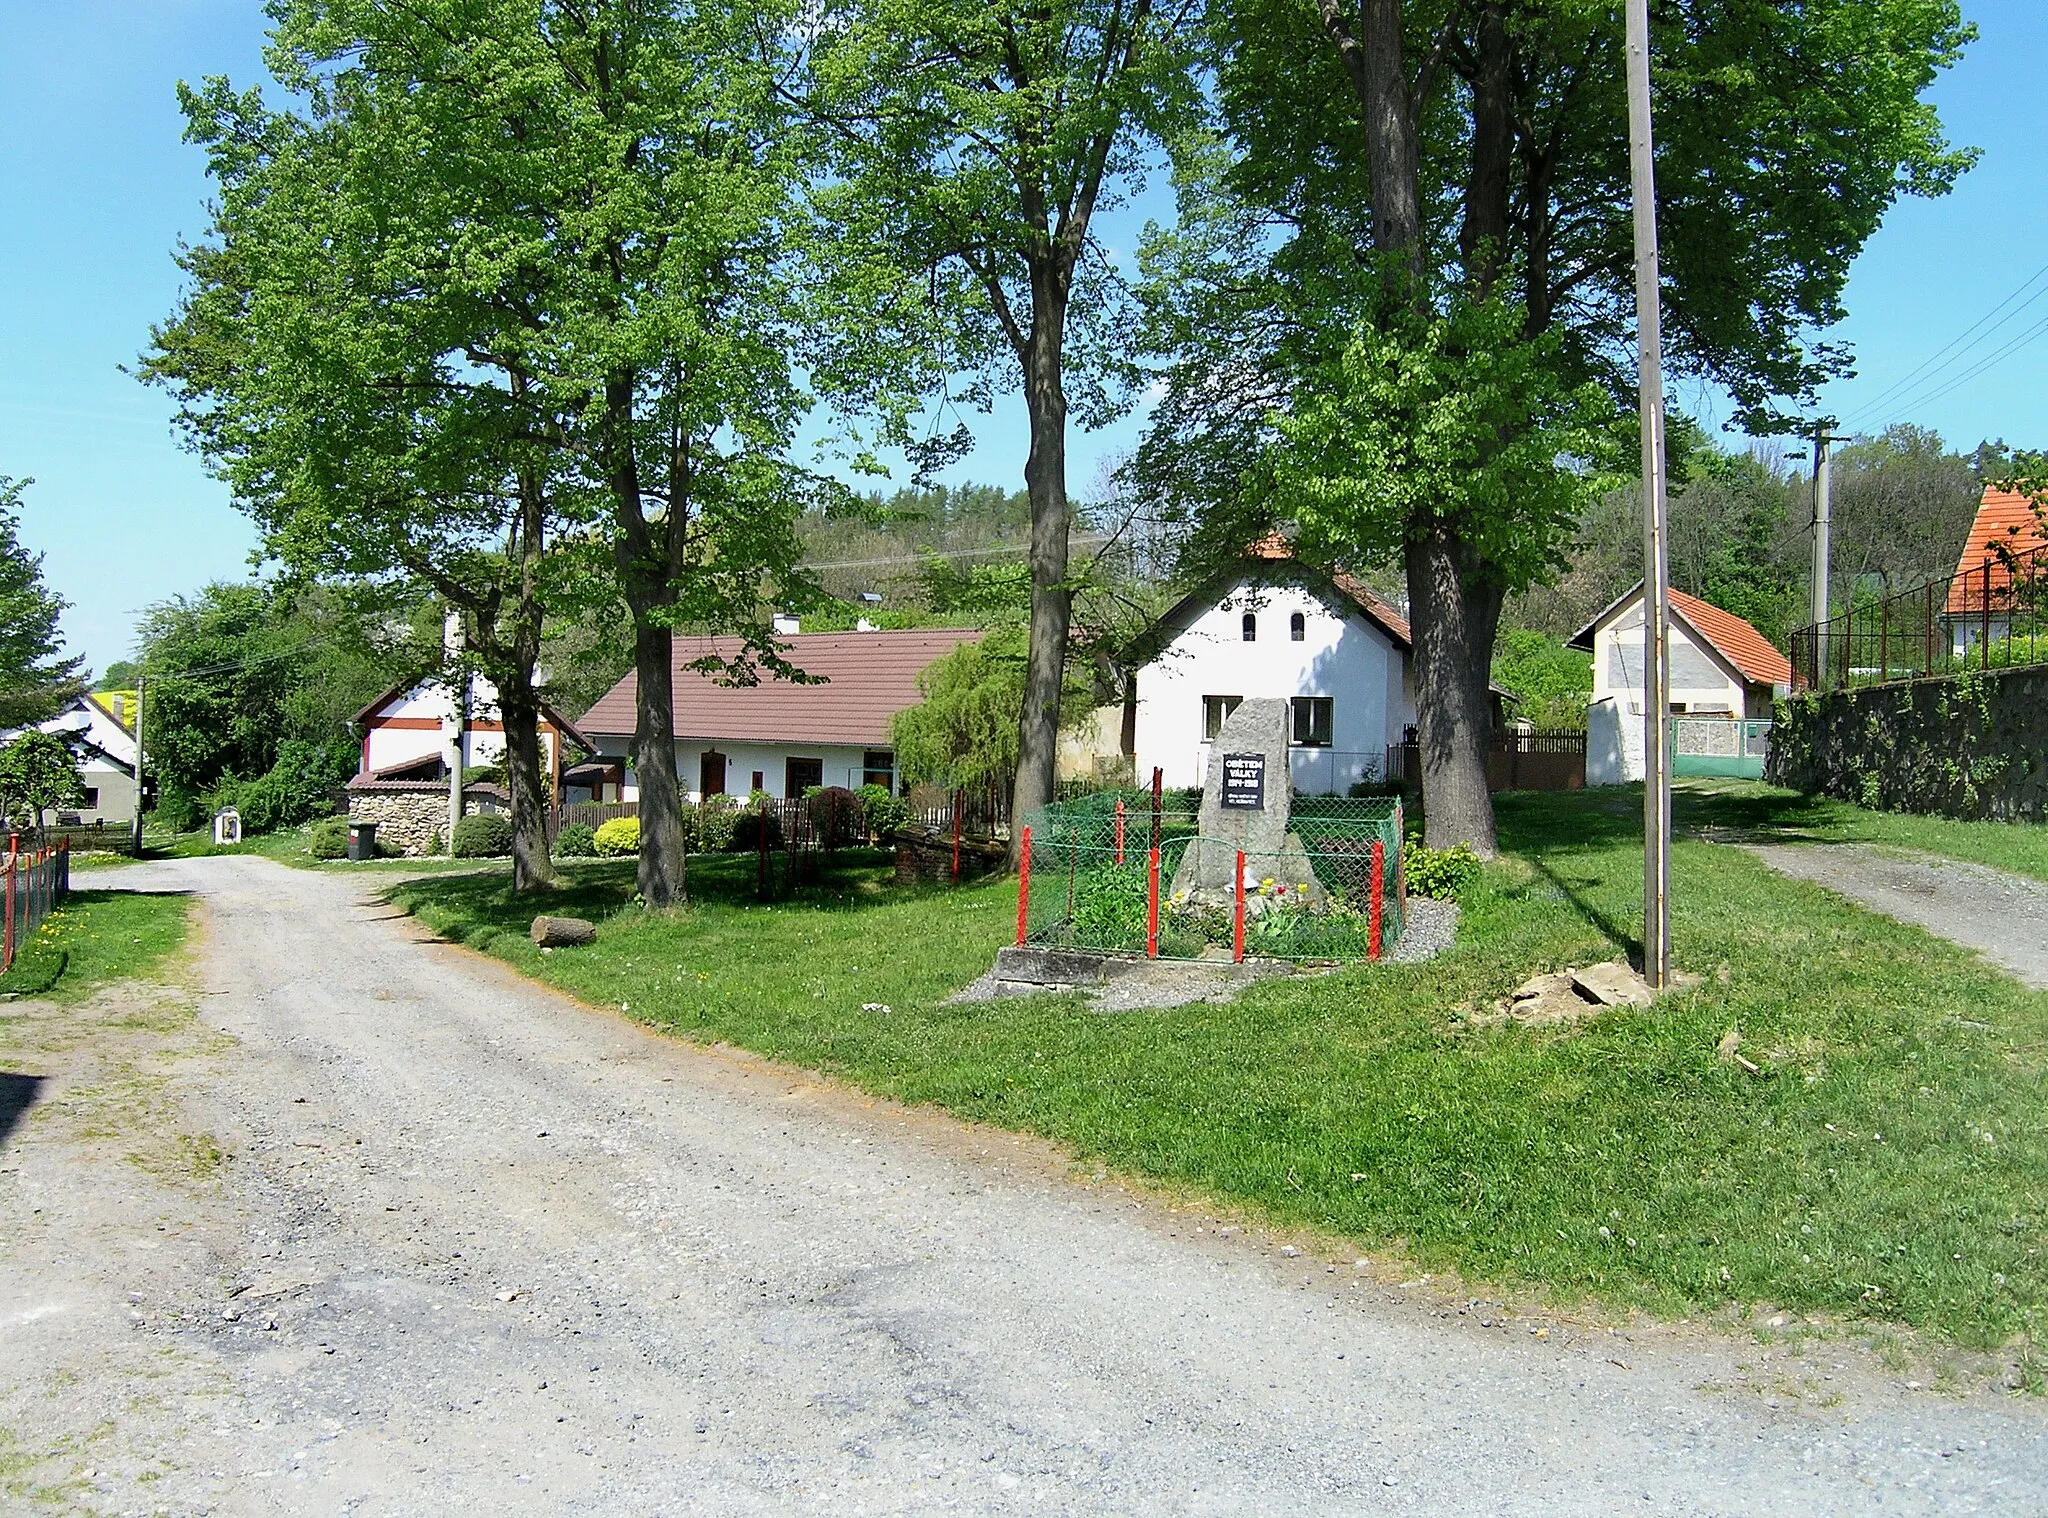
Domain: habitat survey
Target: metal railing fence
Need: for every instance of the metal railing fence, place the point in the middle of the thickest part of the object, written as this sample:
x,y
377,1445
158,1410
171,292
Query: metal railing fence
x,y
1987,617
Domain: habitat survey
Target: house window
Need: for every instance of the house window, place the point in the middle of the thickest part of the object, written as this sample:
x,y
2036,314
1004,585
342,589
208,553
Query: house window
x,y
1251,627
92,798
1216,711
1297,628
878,767
799,775
1314,721
760,783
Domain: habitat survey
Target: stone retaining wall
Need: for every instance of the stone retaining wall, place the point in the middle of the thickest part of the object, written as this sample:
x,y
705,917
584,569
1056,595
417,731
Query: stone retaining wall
x,y
1971,745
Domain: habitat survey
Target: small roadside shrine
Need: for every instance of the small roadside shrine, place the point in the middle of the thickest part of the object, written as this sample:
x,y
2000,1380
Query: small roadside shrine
x,y
1249,870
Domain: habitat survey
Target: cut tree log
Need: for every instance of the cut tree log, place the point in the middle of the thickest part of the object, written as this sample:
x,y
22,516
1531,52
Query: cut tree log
x,y
562,932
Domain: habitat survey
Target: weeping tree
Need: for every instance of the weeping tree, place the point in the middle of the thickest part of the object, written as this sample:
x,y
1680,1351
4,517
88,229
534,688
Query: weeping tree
x,y
1402,313
978,144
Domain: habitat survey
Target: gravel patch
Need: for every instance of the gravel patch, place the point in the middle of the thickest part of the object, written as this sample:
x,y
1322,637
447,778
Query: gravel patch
x,y
2003,917
1431,926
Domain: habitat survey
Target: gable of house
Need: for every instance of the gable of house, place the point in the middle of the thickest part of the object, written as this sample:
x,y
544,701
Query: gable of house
x,y
1710,650
2007,526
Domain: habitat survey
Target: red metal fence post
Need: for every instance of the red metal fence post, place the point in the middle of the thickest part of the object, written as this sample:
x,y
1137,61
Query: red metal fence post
x,y
1119,834
1152,907
959,796
1156,773
761,850
1237,927
1073,864
1023,883
7,943
1379,870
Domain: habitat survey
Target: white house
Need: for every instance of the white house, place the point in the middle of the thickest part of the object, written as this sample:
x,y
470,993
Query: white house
x,y
412,733
100,730
1725,675
780,736
1274,626
2000,562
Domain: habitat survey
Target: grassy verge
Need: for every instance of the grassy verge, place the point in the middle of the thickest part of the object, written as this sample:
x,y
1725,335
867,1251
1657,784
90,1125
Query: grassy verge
x,y
2019,847
290,846
1890,1163
96,937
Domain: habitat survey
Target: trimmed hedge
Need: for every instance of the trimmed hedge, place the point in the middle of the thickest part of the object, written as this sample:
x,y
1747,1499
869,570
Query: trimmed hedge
x,y
618,837
576,841
485,835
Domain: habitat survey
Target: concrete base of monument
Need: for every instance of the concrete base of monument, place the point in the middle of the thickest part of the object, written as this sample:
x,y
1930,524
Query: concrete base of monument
x,y
1119,982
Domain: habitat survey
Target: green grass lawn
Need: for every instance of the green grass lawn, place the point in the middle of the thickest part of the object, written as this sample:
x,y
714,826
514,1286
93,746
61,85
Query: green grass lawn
x,y
96,937
1890,1163
1738,804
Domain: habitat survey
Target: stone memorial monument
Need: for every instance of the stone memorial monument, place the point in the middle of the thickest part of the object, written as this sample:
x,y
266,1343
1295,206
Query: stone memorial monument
x,y
1247,803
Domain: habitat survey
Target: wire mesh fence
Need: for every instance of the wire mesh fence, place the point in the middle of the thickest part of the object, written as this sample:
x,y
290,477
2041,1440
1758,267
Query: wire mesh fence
x,y
36,885
1108,872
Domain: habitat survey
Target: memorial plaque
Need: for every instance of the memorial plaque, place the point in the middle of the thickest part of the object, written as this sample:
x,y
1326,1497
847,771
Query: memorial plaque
x,y
1244,783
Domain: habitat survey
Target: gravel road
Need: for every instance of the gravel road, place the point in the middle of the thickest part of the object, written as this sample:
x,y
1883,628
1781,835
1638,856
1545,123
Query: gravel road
x,y
2002,916
478,1248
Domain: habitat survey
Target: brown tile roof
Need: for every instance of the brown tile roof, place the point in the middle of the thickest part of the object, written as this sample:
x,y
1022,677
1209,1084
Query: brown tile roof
x,y
870,676
1740,644
1275,549
2005,521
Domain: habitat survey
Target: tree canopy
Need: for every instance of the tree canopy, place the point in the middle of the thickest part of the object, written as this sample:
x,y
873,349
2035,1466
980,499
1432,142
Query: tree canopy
x,y
35,678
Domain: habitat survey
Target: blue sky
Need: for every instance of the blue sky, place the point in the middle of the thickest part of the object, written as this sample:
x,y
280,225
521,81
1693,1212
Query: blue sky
x,y
96,188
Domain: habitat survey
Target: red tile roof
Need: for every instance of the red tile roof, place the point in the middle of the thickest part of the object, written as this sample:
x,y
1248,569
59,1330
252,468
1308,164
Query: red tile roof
x,y
1739,643
1274,547
870,676
2005,521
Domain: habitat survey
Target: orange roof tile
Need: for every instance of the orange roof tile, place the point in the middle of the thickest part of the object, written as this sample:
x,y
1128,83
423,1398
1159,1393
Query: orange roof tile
x,y
2007,523
1739,643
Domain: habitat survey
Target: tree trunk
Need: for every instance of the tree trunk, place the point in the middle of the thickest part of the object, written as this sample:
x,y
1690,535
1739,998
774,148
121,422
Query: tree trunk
x,y
661,876
1045,480
1453,611
519,709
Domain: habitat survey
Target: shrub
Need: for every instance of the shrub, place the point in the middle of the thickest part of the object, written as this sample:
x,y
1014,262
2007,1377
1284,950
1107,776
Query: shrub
x,y
746,831
579,841
717,819
885,813
329,838
484,835
835,815
616,838
1441,873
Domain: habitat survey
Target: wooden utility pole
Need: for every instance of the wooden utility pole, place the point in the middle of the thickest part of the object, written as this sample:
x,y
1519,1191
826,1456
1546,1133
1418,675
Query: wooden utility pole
x,y
1656,567
135,827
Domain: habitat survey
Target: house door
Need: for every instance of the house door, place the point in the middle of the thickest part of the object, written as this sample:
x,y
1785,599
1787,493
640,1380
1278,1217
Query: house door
x,y
711,774
800,774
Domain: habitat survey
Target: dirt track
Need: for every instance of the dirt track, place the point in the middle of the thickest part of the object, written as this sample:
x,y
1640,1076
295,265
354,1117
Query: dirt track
x,y
478,1248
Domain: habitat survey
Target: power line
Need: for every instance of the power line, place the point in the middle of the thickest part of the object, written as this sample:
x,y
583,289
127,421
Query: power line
x,y
1931,366
2032,334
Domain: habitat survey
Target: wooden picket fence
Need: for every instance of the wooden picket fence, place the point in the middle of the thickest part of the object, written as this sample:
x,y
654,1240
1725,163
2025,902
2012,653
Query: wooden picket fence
x,y
36,885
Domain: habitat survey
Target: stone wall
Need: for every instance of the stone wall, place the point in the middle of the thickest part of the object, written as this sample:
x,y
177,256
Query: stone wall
x,y
410,815
1971,745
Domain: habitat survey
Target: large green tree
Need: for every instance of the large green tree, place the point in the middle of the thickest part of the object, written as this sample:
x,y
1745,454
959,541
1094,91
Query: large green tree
x,y
569,316
979,142
1407,186
38,771
35,677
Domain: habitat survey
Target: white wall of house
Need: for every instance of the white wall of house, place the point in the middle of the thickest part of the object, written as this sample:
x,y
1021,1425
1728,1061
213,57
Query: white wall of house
x,y
1341,655
421,725
841,764
106,766
1703,683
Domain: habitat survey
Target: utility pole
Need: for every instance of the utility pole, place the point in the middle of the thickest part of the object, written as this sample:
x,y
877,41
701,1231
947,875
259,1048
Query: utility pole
x,y
458,701
135,827
1656,564
1822,520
